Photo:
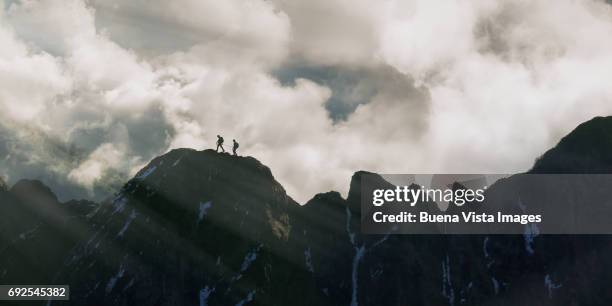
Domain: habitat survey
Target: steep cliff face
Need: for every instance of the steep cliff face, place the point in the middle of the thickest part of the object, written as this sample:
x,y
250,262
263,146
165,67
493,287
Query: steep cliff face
x,y
205,228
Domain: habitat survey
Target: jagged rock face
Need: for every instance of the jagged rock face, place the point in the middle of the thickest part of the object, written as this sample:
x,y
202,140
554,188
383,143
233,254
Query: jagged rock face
x,y
203,228
528,269
191,226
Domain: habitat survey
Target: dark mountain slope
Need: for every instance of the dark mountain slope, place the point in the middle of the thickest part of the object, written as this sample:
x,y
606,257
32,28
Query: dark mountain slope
x,y
37,232
192,225
524,269
587,149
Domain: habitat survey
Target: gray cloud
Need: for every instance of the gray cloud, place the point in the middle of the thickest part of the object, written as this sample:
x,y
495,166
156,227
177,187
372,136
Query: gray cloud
x,y
29,153
315,89
352,87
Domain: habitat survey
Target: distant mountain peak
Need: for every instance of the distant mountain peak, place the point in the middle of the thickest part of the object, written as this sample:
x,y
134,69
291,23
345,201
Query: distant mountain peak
x,y
34,191
3,185
354,195
327,197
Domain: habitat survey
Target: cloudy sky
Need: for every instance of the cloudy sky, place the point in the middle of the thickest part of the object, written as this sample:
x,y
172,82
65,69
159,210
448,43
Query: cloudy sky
x,y
317,89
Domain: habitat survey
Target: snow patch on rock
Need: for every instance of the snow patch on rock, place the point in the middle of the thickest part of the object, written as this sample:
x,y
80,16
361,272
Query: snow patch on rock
x,y
203,210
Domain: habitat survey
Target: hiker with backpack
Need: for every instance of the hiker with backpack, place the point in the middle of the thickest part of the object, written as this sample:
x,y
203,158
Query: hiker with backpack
x,y
220,144
236,145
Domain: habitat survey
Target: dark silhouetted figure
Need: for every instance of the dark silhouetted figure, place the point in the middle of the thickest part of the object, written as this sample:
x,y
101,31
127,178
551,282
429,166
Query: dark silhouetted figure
x,y
236,145
220,144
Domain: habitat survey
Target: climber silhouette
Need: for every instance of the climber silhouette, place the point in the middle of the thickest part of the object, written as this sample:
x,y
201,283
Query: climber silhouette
x,y
220,143
236,145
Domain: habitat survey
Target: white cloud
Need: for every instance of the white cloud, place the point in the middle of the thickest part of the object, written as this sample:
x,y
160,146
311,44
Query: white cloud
x,y
223,32
52,25
424,37
31,80
334,32
497,110
93,168
475,86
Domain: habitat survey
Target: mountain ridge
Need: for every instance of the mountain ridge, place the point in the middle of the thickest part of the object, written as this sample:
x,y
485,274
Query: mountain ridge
x,y
586,149
580,143
205,228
